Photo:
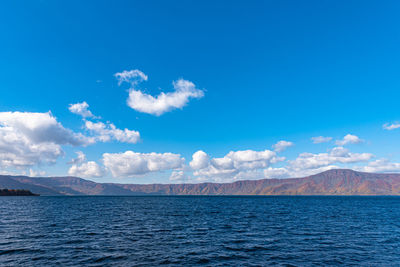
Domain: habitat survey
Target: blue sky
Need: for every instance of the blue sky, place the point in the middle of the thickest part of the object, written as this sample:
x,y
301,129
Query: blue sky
x,y
267,71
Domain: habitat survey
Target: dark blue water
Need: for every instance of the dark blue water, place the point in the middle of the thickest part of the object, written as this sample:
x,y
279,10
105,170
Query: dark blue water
x,y
211,231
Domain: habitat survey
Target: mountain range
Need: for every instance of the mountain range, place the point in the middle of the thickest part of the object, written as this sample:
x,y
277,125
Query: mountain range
x,y
332,182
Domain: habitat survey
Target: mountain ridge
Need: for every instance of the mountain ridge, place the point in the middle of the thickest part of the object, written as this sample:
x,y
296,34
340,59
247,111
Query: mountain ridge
x,y
331,182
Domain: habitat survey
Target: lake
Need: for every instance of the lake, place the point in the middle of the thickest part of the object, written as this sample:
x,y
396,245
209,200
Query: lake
x,y
207,231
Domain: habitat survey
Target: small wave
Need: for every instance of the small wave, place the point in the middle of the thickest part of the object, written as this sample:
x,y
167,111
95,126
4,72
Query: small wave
x,y
19,250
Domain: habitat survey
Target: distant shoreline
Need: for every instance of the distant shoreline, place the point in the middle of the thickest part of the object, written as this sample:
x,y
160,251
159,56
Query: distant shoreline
x,y
336,182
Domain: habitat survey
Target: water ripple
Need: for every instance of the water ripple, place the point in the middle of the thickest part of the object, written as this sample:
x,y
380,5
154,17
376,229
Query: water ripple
x,y
206,231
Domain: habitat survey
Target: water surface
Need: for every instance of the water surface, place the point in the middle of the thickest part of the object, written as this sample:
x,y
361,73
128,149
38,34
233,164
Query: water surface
x,y
209,231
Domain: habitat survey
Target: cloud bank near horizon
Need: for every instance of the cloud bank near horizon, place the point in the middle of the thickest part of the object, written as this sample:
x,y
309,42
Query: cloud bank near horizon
x,y
28,140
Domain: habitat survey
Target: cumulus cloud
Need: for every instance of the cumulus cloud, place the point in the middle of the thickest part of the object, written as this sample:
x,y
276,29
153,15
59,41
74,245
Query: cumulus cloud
x,y
81,109
282,145
88,169
380,165
391,126
200,160
233,166
106,132
83,168
40,128
309,163
285,172
164,102
27,139
321,139
349,139
131,163
336,155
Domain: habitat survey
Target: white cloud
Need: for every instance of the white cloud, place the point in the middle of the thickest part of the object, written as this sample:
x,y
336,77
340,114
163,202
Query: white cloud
x,y
282,145
107,132
200,160
349,139
380,165
81,109
132,76
162,103
83,168
392,126
249,159
27,139
33,173
308,163
321,139
88,169
177,176
131,163
281,172
104,132
40,128
284,172
81,157
336,155
235,165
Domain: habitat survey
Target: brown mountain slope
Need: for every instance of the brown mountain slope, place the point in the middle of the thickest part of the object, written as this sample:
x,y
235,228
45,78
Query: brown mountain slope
x,y
333,182
11,182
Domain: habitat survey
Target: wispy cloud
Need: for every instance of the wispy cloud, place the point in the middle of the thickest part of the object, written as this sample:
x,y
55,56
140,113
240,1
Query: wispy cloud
x,y
80,158
34,173
282,145
391,126
178,177
132,76
321,139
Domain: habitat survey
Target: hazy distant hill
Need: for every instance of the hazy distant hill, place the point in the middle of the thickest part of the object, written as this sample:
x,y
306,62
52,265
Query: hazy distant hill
x,y
333,182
